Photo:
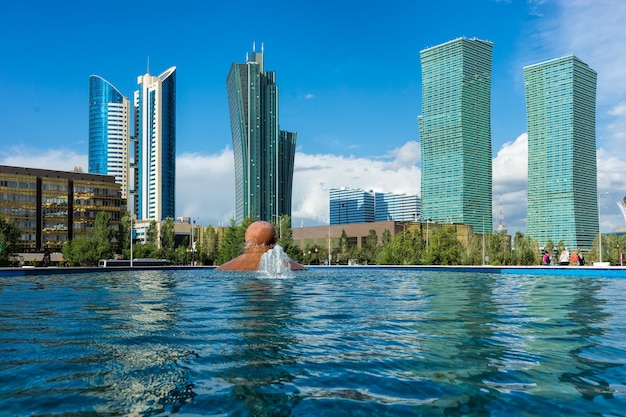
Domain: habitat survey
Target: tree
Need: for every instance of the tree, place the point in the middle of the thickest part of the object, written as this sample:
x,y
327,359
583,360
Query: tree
x,y
402,249
123,234
285,237
231,247
526,250
9,238
386,238
152,235
168,239
102,248
87,251
370,247
473,254
209,246
445,247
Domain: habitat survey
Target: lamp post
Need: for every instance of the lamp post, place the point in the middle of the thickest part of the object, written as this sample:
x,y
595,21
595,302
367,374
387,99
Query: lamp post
x,y
427,233
483,239
131,240
193,244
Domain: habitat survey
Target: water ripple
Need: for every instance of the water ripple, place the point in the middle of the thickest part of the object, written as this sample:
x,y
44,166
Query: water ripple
x,y
324,342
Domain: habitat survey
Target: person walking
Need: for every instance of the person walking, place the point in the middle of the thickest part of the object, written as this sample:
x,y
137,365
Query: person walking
x,y
564,257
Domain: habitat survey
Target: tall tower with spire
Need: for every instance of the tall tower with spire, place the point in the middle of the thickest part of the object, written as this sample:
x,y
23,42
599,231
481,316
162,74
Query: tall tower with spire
x,y
264,154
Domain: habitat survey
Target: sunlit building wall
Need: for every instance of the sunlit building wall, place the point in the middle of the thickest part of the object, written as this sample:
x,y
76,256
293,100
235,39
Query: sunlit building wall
x,y
109,131
263,154
51,207
155,107
455,132
562,172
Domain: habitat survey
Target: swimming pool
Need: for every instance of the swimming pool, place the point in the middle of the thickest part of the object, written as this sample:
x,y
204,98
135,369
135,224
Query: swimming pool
x,y
325,342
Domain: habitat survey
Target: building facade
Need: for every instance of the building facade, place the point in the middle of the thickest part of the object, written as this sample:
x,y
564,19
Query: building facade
x,y
155,153
264,154
351,205
455,132
398,207
562,171
52,207
109,132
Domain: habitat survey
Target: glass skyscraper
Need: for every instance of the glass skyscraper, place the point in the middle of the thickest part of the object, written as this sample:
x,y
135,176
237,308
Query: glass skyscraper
x,y
109,132
562,172
264,154
398,207
354,205
351,205
455,132
155,154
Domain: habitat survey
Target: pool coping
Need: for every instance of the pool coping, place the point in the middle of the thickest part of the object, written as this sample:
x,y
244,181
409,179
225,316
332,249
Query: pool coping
x,y
599,271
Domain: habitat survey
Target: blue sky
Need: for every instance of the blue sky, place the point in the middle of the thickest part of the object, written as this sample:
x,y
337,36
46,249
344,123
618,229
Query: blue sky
x,y
349,79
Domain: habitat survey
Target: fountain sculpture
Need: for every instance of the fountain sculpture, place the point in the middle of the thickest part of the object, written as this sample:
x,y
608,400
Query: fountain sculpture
x,y
260,238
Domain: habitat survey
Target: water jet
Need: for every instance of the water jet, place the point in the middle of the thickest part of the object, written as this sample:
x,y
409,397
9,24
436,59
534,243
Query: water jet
x,y
260,237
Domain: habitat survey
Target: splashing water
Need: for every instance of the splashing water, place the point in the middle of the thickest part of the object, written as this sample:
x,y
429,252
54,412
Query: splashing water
x,y
275,263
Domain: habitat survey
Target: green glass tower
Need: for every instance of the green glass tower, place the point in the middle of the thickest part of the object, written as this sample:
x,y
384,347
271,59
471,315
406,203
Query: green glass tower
x,y
562,172
455,133
264,154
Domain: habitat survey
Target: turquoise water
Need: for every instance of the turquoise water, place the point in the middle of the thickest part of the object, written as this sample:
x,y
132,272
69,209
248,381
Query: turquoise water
x,y
325,342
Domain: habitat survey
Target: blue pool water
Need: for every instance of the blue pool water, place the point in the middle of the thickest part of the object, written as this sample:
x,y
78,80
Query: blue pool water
x,y
325,342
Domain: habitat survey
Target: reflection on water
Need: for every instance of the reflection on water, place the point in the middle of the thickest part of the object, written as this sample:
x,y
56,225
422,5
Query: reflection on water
x,y
324,342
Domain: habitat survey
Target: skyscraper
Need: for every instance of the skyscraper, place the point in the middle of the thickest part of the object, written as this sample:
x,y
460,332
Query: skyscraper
x,y
562,182
455,132
109,132
264,154
155,154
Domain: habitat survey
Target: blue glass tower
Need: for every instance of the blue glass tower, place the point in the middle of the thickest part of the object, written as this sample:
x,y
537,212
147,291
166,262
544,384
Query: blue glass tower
x,y
109,131
264,154
155,107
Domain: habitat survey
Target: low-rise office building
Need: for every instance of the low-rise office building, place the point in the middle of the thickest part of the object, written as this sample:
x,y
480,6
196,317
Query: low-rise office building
x,y
357,233
51,207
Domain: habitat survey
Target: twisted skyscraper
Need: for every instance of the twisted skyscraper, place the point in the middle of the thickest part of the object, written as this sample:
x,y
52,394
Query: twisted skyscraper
x,y
264,154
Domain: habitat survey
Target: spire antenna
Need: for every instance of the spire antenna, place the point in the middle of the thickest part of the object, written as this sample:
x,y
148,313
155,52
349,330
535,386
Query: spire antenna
x,y
148,66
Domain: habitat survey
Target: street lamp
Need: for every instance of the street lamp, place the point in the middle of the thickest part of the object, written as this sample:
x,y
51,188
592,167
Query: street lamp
x,y
131,240
193,243
483,239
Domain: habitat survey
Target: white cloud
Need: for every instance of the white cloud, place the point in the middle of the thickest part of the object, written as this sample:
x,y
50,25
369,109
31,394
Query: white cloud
x,y
618,110
405,156
309,96
315,174
56,159
510,173
205,187
510,166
